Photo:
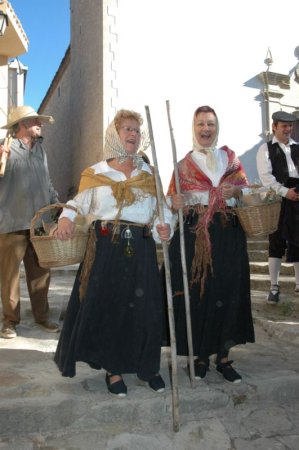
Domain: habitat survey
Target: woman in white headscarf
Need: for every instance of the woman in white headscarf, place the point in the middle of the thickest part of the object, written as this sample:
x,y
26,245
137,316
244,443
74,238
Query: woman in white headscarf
x,y
114,316
211,179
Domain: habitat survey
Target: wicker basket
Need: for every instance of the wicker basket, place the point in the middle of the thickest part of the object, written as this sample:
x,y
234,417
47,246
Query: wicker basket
x,y
53,252
260,219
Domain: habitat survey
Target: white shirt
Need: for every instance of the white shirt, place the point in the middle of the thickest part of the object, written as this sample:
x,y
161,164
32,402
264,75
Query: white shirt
x,y
100,203
264,166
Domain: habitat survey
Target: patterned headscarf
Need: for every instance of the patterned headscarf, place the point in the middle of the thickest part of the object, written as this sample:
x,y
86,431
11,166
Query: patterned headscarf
x,y
114,148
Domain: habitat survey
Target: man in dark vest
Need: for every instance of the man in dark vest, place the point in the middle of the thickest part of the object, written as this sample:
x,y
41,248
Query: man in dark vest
x,y
278,168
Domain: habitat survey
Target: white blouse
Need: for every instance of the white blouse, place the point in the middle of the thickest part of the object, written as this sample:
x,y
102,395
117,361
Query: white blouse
x,y
264,166
100,203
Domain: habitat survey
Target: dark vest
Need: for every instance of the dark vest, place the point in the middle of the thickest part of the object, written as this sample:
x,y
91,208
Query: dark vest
x,y
279,161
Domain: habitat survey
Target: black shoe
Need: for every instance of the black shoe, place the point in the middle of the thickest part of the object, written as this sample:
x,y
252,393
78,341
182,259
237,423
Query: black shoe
x,y
49,326
118,389
273,296
201,368
229,373
156,383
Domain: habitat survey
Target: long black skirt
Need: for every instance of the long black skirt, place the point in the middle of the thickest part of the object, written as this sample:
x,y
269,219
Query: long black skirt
x,y
118,325
221,317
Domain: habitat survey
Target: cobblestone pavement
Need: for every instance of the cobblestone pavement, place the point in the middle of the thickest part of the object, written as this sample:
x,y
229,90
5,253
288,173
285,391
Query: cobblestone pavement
x,y
39,409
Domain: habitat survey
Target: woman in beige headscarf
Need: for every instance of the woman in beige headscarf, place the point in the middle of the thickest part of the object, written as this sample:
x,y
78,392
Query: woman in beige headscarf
x,y
114,317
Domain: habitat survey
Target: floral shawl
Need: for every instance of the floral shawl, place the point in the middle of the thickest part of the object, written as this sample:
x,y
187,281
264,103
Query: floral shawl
x,y
191,178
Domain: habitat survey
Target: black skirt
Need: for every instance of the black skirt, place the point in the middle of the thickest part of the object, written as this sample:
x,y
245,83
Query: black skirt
x,y
221,318
118,325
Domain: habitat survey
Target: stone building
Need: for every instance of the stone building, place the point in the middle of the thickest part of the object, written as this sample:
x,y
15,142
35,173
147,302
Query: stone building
x,y
13,42
83,95
278,91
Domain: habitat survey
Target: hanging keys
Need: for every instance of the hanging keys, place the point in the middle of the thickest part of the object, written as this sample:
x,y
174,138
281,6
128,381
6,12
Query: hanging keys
x,y
129,251
115,234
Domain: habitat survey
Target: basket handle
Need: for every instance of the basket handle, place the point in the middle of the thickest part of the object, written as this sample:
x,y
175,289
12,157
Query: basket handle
x,y
45,209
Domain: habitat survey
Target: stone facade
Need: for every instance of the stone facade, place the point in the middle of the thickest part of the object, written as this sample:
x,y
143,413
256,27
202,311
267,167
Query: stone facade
x,y
81,97
91,84
57,141
13,43
278,92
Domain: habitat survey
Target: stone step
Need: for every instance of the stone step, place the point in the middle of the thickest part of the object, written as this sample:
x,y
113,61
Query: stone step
x,y
35,397
258,255
83,401
262,268
262,283
257,245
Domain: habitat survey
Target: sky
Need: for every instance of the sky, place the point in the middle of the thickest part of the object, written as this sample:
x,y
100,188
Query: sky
x,y
202,53
194,53
47,26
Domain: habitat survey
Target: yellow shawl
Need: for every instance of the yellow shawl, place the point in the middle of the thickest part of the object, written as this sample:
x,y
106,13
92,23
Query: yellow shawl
x,y
122,190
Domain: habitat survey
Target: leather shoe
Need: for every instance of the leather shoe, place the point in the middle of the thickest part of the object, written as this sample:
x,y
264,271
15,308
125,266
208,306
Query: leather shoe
x,y
8,331
49,326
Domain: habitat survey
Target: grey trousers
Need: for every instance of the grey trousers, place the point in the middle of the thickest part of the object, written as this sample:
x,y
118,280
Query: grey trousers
x,y
16,247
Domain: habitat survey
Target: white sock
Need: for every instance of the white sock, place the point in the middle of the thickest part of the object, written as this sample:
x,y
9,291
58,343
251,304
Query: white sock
x,y
274,271
296,269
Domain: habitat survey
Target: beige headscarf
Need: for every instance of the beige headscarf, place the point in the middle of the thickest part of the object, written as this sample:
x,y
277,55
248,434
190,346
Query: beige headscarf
x,y
209,151
114,148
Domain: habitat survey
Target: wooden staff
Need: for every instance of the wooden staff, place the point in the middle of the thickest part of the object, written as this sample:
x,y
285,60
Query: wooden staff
x,y
183,252
7,143
175,391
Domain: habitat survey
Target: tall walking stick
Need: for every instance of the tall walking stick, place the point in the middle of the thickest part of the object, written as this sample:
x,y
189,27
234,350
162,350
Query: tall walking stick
x,y
7,143
183,252
175,391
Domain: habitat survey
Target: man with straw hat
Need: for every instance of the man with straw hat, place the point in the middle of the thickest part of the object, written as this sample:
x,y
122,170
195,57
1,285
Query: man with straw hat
x,y
25,187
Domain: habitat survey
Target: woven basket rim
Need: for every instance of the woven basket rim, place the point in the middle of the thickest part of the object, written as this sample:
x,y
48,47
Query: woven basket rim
x,y
53,252
260,205
41,211
53,238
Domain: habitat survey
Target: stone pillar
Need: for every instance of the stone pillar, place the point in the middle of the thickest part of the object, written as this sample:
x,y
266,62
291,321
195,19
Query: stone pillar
x,y
3,93
93,79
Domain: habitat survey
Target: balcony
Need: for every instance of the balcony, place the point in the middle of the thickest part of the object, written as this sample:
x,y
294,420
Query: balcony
x,y
14,41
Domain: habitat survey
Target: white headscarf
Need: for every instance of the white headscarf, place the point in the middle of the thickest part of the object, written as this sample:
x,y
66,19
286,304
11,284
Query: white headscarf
x,y
209,151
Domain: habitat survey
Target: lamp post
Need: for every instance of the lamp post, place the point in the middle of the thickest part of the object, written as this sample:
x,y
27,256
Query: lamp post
x,y
3,23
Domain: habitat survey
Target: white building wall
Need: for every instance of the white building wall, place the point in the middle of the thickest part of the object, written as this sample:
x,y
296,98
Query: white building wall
x,y
3,93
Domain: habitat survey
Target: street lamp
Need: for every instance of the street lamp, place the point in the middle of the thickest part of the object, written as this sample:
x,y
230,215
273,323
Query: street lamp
x,y
3,23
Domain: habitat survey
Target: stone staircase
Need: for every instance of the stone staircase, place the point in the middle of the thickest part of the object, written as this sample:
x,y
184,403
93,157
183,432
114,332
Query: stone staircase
x,y
41,409
259,272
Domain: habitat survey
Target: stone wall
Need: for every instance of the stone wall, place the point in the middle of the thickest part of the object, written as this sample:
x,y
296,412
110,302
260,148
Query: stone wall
x,y
57,137
82,101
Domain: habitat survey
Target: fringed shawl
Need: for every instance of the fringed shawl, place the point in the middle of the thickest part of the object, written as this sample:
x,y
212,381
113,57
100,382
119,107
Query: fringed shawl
x,y
191,178
122,190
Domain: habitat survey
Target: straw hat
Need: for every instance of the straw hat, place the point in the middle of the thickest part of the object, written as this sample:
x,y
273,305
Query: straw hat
x,y
20,113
